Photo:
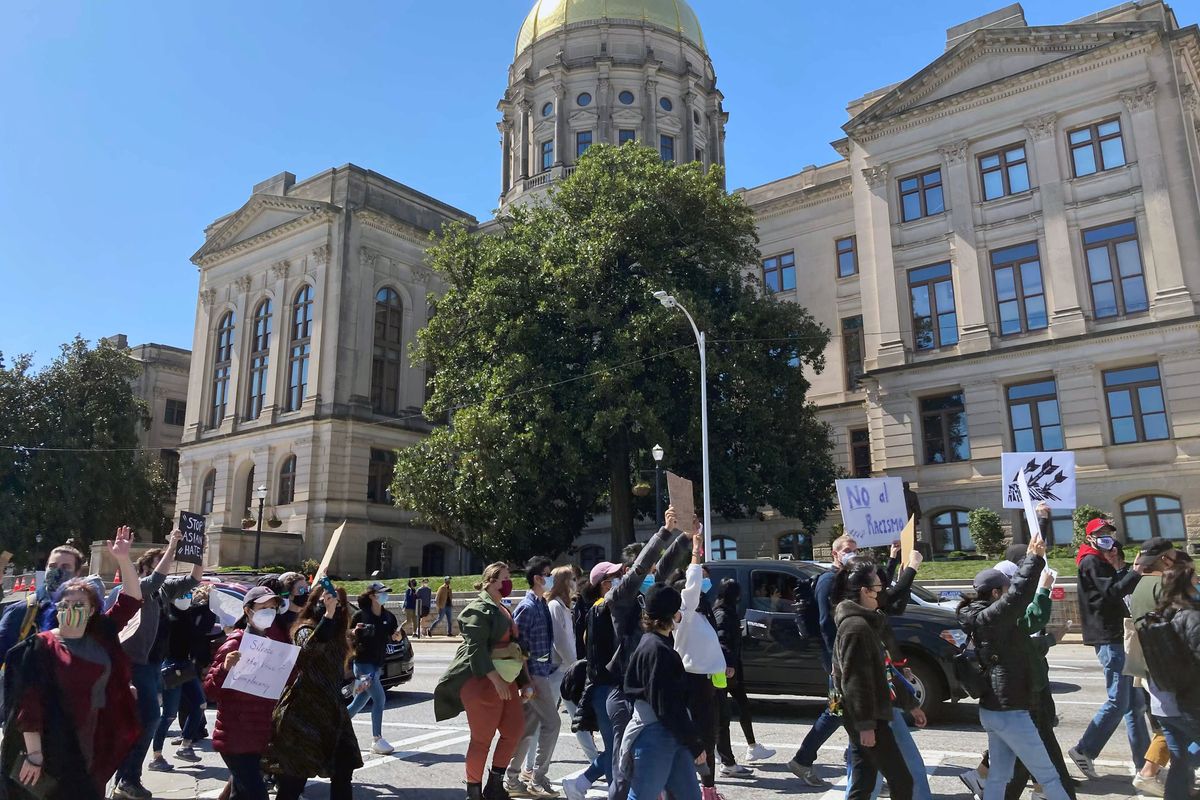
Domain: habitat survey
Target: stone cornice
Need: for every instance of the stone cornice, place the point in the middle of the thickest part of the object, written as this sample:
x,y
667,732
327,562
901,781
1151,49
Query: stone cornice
x,y
876,176
392,226
217,248
804,198
1141,98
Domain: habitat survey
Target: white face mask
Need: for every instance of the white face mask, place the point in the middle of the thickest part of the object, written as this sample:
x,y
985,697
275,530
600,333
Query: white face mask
x,y
263,619
549,579
616,582
182,603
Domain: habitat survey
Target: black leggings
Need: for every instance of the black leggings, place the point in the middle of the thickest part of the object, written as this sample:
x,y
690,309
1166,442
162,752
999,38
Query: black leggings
x,y
340,785
702,702
884,757
245,776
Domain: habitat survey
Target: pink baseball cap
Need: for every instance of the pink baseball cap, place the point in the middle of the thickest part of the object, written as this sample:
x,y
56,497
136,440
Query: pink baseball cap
x,y
603,570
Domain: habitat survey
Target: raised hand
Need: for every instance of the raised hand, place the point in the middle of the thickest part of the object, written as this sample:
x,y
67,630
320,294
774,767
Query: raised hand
x,y
915,559
670,520
330,600
174,540
119,547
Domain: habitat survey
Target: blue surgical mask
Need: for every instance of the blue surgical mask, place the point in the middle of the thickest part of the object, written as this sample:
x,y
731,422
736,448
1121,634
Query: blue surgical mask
x,y
616,582
383,598
549,579
647,583
706,585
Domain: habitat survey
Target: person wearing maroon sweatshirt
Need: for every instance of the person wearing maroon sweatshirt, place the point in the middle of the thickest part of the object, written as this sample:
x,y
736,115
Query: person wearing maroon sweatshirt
x,y
243,727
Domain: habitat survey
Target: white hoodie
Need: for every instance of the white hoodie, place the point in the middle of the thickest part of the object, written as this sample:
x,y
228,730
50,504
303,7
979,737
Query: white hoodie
x,y
695,638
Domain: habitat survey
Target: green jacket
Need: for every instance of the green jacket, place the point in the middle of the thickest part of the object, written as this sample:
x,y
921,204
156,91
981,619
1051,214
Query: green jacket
x,y
483,625
1035,619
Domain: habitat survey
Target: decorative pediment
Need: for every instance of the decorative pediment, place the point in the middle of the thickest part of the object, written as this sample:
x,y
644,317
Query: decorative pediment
x,y
584,118
543,130
627,117
988,60
262,219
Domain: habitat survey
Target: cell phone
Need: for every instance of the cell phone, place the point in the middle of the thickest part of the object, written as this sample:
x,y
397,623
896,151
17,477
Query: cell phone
x,y
327,585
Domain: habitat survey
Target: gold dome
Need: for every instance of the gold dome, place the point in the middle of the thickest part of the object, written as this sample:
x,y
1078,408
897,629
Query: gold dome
x,y
548,16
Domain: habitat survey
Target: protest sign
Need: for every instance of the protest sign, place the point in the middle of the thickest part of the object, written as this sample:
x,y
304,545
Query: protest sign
x,y
191,549
264,667
873,509
327,559
908,541
683,498
1051,478
1031,518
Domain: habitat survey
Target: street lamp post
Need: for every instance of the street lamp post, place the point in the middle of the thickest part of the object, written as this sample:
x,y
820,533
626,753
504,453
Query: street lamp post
x,y
657,452
668,301
260,494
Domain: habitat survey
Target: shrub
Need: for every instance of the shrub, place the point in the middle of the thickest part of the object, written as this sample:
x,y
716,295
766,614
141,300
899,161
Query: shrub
x,y
987,531
309,566
1082,516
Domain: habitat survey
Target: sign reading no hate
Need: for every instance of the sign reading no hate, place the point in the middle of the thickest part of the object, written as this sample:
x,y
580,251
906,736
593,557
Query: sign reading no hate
x,y
873,510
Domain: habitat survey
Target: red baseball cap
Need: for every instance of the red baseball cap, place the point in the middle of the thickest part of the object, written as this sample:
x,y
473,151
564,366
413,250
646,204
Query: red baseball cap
x,y
1097,525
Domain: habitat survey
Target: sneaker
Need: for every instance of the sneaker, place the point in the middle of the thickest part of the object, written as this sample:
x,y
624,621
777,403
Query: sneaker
x,y
710,793
159,764
187,754
736,771
1149,787
756,752
526,775
806,773
575,787
131,790
1084,764
973,782
540,787
381,747
515,786
178,740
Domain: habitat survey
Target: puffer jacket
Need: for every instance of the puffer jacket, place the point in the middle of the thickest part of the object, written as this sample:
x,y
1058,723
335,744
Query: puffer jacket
x,y
859,668
1001,645
243,720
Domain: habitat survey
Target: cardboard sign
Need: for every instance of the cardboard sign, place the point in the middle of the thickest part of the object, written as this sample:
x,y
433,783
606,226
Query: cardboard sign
x,y
873,510
327,559
908,541
191,549
683,498
1051,478
264,667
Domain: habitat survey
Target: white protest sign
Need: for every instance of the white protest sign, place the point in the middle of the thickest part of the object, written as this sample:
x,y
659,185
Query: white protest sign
x,y
873,510
1031,517
264,667
1051,478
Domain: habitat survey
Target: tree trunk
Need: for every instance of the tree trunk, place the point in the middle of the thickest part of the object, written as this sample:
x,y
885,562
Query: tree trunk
x,y
620,494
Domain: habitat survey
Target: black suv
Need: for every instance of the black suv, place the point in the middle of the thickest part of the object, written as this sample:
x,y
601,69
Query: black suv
x,y
781,646
397,667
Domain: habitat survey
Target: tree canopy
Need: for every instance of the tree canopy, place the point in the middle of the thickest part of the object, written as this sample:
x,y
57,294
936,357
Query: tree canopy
x,y
561,371
70,468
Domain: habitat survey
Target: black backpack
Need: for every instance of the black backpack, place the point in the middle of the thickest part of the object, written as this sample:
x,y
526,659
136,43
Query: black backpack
x,y
1171,663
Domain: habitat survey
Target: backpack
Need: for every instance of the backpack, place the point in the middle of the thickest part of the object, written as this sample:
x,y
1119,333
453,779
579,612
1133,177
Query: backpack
x,y
1170,661
29,624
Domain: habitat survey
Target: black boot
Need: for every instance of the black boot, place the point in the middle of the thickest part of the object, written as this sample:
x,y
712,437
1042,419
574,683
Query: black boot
x,y
494,790
474,791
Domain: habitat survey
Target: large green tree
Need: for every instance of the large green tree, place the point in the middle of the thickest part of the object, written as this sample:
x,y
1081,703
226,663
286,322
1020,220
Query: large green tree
x,y
70,468
560,370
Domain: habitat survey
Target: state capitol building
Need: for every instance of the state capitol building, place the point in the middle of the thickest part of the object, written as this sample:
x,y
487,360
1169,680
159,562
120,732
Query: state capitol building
x,y
1006,249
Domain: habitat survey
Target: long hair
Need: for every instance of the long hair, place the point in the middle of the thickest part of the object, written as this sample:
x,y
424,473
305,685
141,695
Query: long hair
x,y
561,590
314,609
490,573
729,594
856,574
1178,583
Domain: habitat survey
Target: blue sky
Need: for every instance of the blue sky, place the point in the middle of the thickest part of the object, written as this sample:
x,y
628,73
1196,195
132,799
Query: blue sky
x,y
126,127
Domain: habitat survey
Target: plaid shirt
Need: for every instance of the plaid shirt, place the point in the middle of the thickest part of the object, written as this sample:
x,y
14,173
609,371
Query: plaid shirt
x,y
535,632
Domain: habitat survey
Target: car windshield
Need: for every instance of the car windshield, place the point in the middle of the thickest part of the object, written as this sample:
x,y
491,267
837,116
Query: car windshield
x,y
925,594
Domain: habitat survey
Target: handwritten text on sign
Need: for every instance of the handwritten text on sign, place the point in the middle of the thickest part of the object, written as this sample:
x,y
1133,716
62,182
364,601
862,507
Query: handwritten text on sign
x,y
873,509
191,549
263,668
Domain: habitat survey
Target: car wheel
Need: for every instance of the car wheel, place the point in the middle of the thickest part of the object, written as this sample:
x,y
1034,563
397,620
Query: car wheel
x,y
929,685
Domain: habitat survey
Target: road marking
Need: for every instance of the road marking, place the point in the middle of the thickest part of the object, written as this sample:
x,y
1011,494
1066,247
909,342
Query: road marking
x,y
417,725
401,755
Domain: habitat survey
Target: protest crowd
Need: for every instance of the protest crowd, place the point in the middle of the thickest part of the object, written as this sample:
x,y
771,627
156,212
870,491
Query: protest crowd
x,y
640,660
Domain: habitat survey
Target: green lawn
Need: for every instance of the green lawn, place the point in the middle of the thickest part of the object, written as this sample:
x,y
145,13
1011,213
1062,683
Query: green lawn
x,y
460,583
950,570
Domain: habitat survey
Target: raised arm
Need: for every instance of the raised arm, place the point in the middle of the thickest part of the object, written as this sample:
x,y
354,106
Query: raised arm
x,y
119,547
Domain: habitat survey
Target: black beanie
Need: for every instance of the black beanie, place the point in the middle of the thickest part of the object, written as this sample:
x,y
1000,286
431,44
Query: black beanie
x,y
662,602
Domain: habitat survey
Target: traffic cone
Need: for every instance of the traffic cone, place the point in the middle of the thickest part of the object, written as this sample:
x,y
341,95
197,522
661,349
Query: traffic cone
x,y
19,585
117,578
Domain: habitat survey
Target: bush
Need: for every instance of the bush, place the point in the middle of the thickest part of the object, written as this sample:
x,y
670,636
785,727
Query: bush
x,y
309,566
1082,516
987,531
956,555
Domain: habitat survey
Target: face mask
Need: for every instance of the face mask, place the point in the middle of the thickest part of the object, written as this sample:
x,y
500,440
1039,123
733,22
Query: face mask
x,y
1105,542
382,597
647,583
506,587
183,603
706,585
263,619
616,582
549,579
55,577
300,598
75,616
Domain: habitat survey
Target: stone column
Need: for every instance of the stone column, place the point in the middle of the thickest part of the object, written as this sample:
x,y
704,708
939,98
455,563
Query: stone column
x,y
506,158
560,128
969,280
244,338
604,107
1171,297
650,112
280,330
1058,265
689,126
200,378
883,340
523,168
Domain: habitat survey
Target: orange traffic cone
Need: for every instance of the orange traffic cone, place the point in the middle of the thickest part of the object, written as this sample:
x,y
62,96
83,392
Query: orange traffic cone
x,y
19,585
117,578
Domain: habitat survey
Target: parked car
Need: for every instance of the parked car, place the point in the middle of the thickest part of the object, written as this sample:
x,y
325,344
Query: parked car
x,y
397,667
781,649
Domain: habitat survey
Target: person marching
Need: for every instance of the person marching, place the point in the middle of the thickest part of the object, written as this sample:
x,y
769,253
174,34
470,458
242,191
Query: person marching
x,y
189,638
729,632
296,589
411,620
444,601
39,611
373,627
424,609
487,679
566,654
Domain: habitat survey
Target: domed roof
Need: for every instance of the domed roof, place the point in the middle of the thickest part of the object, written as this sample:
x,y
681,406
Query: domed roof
x,y
548,16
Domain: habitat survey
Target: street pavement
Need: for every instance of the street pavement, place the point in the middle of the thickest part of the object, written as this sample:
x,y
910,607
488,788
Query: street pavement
x,y
428,763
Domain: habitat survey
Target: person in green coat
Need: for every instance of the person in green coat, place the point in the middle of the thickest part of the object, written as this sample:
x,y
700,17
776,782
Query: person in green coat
x,y
488,680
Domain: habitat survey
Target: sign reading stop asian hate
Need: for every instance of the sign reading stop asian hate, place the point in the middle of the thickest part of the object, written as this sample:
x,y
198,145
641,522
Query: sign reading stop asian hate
x,y
191,549
873,510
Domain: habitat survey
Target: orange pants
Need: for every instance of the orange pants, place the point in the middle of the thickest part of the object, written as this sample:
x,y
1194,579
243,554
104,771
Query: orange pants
x,y
487,714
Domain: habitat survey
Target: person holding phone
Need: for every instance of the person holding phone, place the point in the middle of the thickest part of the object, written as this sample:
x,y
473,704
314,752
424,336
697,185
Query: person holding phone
x,y
372,628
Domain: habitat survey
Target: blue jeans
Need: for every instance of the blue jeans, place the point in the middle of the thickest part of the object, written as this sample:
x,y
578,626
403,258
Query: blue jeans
x,y
245,776
1012,735
1123,701
661,763
602,763
374,693
447,614
147,680
825,726
192,724
912,757
1180,732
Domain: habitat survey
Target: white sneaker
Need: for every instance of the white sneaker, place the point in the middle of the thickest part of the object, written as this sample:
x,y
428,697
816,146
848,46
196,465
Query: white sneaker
x,y
756,752
736,771
382,747
1150,787
575,787
973,782
1085,764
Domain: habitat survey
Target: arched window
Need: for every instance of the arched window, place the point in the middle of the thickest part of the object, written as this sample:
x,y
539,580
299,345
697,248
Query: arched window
x,y
389,350
301,348
222,361
589,556
208,493
433,559
1153,515
794,544
248,493
260,347
950,531
723,548
287,481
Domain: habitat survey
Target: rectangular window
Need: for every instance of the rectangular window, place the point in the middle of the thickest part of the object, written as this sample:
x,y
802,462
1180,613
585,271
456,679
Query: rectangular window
x,y
379,476
1096,147
1020,296
583,140
547,154
921,195
847,256
935,323
1114,262
169,459
666,147
625,135
176,412
852,351
860,452
944,429
1033,415
1004,172
779,273
1137,411
699,156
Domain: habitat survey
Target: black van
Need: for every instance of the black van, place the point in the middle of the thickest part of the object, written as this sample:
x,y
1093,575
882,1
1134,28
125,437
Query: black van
x,y
781,647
